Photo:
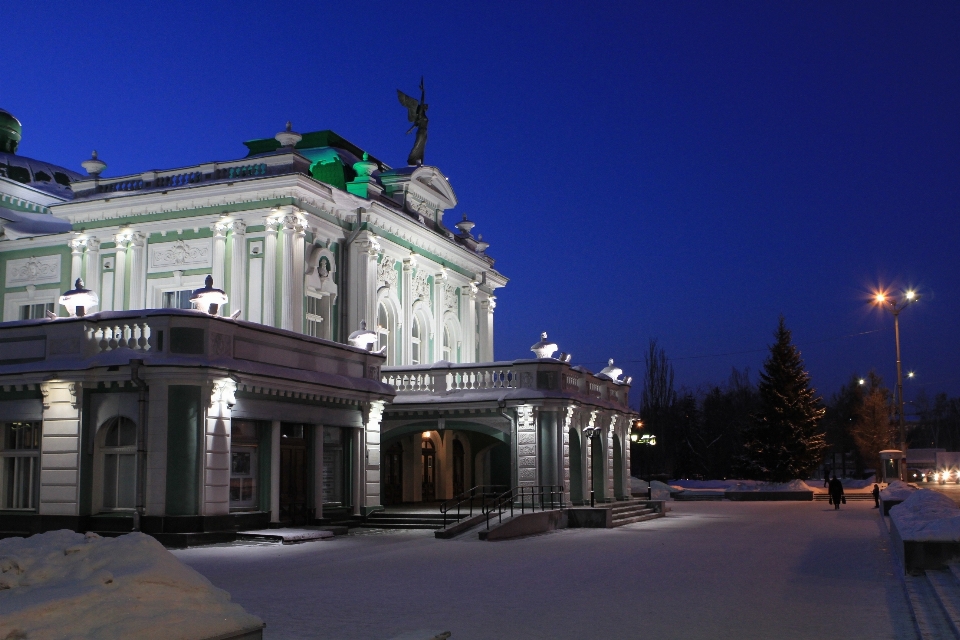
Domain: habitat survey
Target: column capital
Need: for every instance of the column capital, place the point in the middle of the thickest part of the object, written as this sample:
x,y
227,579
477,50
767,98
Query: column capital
x,y
292,222
220,228
237,226
77,245
368,243
410,262
122,239
138,239
271,223
93,244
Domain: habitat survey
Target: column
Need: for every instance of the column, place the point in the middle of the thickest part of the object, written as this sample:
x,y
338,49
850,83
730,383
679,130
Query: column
x,y
526,446
318,470
468,298
566,423
60,449
362,290
291,305
275,471
487,305
217,431
76,258
409,263
91,276
359,470
439,285
138,271
219,253
609,491
238,266
270,271
156,490
119,270
372,467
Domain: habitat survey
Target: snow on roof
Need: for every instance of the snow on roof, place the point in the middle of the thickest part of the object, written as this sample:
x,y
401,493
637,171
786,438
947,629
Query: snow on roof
x,y
927,516
63,584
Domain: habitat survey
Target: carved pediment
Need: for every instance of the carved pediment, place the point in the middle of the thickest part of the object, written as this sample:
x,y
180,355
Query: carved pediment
x,y
423,190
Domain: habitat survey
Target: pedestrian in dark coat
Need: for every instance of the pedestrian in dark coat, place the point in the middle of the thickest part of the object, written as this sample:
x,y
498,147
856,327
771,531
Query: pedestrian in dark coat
x,y
836,492
876,496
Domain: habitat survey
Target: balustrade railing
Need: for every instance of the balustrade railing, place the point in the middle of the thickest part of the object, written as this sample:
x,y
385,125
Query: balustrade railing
x,y
135,335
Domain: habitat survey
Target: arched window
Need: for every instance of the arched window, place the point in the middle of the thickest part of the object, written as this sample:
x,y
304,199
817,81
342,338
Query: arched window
x,y
119,452
448,353
416,343
383,331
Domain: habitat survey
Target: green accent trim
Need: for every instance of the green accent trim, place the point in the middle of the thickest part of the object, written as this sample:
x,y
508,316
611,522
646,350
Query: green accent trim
x,y
169,274
107,245
28,394
184,432
256,228
172,236
19,204
235,207
313,403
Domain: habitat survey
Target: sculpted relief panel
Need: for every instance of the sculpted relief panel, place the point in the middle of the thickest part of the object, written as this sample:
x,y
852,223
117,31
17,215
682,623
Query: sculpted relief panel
x,y
179,255
25,271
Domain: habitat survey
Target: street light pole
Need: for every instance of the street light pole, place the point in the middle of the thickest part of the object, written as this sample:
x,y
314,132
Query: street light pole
x,y
896,307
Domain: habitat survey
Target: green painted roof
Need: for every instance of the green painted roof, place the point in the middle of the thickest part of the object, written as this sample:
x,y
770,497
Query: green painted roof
x,y
324,150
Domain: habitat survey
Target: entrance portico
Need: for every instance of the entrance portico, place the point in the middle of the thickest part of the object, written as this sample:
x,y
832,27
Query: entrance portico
x,y
520,423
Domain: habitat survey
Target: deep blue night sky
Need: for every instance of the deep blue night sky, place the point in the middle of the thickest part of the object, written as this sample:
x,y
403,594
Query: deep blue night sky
x,y
684,171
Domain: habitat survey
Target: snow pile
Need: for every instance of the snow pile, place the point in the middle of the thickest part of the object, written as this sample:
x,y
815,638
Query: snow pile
x,y
897,490
751,485
63,584
927,516
705,484
660,491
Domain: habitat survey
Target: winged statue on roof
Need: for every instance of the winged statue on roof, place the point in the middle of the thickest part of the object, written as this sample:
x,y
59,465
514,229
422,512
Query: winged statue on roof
x,y
417,115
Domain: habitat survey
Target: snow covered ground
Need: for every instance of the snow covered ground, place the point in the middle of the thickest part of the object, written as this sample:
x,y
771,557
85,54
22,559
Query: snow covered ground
x,y
63,584
707,570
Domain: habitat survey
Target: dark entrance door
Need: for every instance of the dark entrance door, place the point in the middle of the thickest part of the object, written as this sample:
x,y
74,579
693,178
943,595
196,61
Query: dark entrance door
x,y
293,475
457,468
429,457
393,475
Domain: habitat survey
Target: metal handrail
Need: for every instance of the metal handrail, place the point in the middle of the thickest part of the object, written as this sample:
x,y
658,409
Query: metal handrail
x,y
519,495
482,491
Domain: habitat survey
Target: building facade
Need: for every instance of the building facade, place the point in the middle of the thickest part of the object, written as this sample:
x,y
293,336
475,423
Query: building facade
x,y
311,238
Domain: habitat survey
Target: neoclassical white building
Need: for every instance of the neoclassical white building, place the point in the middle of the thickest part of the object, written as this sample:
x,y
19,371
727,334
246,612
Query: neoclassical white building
x,y
308,235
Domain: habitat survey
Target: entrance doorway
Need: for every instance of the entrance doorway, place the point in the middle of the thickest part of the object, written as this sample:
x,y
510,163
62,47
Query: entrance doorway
x,y
393,475
576,468
428,455
457,468
293,475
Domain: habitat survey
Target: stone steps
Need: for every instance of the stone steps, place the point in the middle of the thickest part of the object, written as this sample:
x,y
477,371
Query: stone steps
x,y
382,520
633,511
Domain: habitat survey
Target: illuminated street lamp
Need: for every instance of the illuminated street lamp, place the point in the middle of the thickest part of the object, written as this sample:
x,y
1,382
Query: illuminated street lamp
x,y
78,299
209,299
896,306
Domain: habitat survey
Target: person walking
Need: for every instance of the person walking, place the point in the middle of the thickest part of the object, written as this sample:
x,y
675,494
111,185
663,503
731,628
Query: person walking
x,y
836,492
876,496
826,478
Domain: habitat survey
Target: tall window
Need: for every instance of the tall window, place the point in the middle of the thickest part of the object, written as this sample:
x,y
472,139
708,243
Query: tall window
x,y
35,311
314,317
416,346
383,331
243,464
177,299
447,342
119,463
20,461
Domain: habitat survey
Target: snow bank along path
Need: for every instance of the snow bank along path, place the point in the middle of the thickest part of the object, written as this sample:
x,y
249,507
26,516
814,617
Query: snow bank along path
x,y
927,516
897,490
63,584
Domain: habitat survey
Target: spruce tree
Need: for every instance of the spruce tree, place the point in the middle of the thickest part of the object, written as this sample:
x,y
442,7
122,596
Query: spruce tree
x,y
785,440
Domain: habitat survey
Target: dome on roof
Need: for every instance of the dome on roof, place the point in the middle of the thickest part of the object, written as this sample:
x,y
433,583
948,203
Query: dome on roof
x,y
10,132
44,176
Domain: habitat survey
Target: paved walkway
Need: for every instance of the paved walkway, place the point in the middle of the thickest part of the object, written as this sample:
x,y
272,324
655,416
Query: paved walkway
x,y
707,570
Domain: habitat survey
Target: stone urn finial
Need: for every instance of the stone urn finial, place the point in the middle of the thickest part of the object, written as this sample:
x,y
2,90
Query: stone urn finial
x,y
94,166
544,348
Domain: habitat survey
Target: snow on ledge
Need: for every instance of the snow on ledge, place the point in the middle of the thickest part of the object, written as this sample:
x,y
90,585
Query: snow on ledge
x,y
63,584
927,516
897,490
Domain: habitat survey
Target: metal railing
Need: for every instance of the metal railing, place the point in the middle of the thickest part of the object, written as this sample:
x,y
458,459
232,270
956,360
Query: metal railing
x,y
482,492
548,497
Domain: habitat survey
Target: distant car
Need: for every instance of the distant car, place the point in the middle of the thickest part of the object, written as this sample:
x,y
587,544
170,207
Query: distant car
x,y
914,475
943,476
